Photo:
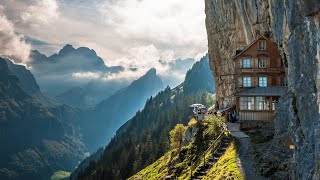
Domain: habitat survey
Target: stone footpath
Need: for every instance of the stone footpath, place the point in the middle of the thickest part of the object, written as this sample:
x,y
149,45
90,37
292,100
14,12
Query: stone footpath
x,y
234,130
245,160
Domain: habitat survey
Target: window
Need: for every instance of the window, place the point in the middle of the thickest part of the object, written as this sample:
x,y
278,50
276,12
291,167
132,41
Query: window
x,y
246,63
247,82
246,103
262,103
284,82
263,81
262,63
262,45
275,101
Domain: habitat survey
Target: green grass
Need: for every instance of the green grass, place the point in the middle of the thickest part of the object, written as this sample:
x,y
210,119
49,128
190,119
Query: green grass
x,y
226,167
181,160
60,175
157,170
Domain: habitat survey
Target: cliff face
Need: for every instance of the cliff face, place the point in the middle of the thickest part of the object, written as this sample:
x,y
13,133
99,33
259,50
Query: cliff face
x,y
294,25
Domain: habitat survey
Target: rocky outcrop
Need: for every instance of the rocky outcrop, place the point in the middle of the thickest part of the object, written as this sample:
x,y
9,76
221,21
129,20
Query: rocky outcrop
x,y
294,26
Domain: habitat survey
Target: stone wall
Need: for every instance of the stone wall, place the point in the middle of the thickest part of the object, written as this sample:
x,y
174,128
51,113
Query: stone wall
x,y
294,25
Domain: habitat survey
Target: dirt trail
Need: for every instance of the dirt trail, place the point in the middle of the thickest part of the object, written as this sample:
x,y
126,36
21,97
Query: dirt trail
x,y
245,159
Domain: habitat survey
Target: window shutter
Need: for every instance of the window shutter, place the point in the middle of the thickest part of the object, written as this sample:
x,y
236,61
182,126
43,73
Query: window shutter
x,y
240,82
269,81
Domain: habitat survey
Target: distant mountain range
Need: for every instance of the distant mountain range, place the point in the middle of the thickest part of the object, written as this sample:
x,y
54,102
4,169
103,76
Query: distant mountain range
x,y
70,59
41,135
56,75
46,135
114,111
37,137
144,138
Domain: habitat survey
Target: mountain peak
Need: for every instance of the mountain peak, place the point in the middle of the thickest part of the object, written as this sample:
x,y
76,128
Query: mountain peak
x,y
152,71
36,56
66,49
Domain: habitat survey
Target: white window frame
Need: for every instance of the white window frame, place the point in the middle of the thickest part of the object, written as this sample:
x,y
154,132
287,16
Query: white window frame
x,y
275,101
262,103
247,103
263,81
246,82
262,62
262,45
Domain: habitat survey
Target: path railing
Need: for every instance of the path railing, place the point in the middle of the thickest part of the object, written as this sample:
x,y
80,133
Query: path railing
x,y
211,148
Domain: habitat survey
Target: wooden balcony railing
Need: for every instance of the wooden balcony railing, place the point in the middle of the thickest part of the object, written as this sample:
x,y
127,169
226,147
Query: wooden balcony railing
x,y
257,70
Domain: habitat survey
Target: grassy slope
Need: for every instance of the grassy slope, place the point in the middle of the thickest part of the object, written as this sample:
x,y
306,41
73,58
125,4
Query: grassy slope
x,y
159,169
226,167
60,175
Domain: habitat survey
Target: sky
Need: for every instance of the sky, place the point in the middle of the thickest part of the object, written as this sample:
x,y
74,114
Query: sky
x,y
131,33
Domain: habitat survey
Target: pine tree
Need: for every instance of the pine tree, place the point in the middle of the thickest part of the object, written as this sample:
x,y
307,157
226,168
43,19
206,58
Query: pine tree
x,y
177,136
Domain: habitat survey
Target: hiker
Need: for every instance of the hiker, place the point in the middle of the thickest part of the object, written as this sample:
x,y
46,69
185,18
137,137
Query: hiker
x,y
234,116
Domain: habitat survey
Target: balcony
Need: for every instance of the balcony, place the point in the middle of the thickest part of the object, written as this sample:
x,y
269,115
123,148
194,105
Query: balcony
x,y
260,70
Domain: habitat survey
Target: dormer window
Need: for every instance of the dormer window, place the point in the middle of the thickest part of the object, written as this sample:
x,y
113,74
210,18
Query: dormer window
x,y
246,63
262,45
262,63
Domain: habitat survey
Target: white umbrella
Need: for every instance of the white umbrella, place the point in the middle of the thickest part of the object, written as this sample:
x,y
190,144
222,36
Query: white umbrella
x,y
196,107
201,106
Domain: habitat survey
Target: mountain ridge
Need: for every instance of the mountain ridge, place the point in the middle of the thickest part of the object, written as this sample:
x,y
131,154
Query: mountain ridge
x,y
112,112
44,139
144,138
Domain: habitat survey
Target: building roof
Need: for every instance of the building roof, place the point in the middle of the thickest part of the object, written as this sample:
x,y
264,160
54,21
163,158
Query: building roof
x,y
251,44
262,91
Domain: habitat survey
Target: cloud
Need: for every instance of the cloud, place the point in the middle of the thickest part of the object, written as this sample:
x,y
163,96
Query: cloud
x,y
199,56
127,75
16,17
143,59
43,11
112,27
87,75
30,13
131,33
12,45
178,25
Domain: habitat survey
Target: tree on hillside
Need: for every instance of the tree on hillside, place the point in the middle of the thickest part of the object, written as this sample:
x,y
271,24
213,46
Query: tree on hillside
x,y
177,136
191,124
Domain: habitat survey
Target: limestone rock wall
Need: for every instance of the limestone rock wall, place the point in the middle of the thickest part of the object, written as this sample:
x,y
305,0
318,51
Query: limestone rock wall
x,y
294,25
232,25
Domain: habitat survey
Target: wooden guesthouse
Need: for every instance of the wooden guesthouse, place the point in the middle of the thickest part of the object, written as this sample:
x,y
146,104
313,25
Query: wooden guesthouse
x,y
260,80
